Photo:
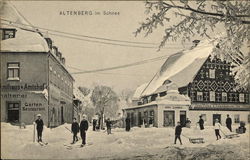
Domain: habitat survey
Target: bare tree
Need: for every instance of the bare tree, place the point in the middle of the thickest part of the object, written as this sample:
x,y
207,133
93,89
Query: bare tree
x,y
201,17
105,101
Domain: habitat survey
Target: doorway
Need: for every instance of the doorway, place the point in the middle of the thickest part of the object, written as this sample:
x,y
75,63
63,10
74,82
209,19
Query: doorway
x,y
169,119
62,118
13,109
216,116
183,118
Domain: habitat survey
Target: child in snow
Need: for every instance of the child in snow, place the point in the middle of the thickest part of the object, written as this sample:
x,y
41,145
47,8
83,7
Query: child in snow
x,y
217,126
108,124
39,127
178,130
74,130
83,129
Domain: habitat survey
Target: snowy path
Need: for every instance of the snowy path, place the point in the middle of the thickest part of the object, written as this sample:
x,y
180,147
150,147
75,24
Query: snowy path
x,y
139,143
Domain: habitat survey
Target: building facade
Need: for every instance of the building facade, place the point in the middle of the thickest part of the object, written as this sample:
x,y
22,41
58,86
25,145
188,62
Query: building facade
x,y
34,79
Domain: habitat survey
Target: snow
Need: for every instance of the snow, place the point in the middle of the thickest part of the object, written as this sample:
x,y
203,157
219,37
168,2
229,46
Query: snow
x,y
181,68
139,90
18,143
26,39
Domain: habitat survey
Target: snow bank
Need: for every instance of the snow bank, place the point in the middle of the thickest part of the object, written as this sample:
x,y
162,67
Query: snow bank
x,y
18,143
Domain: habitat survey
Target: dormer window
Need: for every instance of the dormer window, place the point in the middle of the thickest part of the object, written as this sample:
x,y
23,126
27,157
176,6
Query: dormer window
x,y
7,33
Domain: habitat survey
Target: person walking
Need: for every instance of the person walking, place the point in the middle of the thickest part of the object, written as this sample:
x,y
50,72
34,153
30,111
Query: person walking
x,y
201,123
39,127
83,129
94,124
229,123
217,127
127,124
178,130
74,130
108,125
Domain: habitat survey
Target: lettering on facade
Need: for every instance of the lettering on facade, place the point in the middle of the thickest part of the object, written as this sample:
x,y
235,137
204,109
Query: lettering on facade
x,y
11,95
29,87
219,106
33,107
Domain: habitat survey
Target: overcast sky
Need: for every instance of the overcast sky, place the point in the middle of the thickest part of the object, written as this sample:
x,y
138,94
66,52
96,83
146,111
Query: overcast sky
x,y
90,56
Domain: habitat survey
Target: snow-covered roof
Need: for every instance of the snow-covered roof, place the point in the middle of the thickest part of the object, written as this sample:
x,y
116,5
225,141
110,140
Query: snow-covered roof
x,y
139,90
182,67
26,39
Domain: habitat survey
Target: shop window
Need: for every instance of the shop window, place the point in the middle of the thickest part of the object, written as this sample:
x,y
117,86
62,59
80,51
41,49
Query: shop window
x,y
7,33
237,118
224,97
204,117
211,73
212,96
13,71
241,97
199,96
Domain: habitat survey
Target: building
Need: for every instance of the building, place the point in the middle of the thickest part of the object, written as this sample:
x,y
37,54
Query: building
x,y
33,75
208,82
78,101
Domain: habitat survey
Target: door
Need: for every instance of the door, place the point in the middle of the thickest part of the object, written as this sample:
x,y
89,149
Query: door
x,y
13,112
183,118
139,119
169,118
132,119
216,116
62,118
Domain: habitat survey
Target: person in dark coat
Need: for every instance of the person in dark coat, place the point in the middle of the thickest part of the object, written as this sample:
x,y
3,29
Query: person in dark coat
x,y
83,129
39,127
75,130
108,124
201,123
178,130
229,123
127,124
94,124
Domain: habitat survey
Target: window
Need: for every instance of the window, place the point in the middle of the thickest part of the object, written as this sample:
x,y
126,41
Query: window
x,y
224,96
204,117
212,96
13,71
199,96
241,97
237,118
211,73
151,118
249,118
7,33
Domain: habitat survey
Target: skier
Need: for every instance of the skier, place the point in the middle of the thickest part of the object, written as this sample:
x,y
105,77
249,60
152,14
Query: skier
x,y
217,126
178,130
83,129
201,123
75,130
229,123
108,124
39,128
94,124
127,124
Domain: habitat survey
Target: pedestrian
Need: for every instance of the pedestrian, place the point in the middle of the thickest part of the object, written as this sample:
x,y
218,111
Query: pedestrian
x,y
39,127
94,124
229,123
217,127
74,130
127,124
83,129
108,125
178,130
201,123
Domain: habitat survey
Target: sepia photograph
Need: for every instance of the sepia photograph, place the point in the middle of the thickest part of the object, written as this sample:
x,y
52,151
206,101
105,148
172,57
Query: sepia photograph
x,y
125,80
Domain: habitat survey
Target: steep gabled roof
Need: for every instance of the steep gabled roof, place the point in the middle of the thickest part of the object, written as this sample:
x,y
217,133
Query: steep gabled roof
x,y
26,39
181,68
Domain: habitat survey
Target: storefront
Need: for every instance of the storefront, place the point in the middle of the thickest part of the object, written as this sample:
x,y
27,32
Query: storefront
x,y
163,112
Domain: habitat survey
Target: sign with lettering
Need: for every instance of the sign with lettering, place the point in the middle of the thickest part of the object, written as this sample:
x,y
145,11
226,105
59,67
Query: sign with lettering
x,y
26,87
218,106
13,95
33,106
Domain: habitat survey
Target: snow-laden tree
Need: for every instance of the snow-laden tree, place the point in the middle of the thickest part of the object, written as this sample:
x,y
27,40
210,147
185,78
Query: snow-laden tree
x,y
105,101
205,18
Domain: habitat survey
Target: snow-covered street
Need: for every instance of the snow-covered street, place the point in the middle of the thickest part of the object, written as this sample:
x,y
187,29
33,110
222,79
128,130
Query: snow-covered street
x,y
139,143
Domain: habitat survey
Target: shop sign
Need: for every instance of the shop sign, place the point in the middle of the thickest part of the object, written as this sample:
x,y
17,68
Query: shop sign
x,y
219,106
33,107
173,107
13,95
25,87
